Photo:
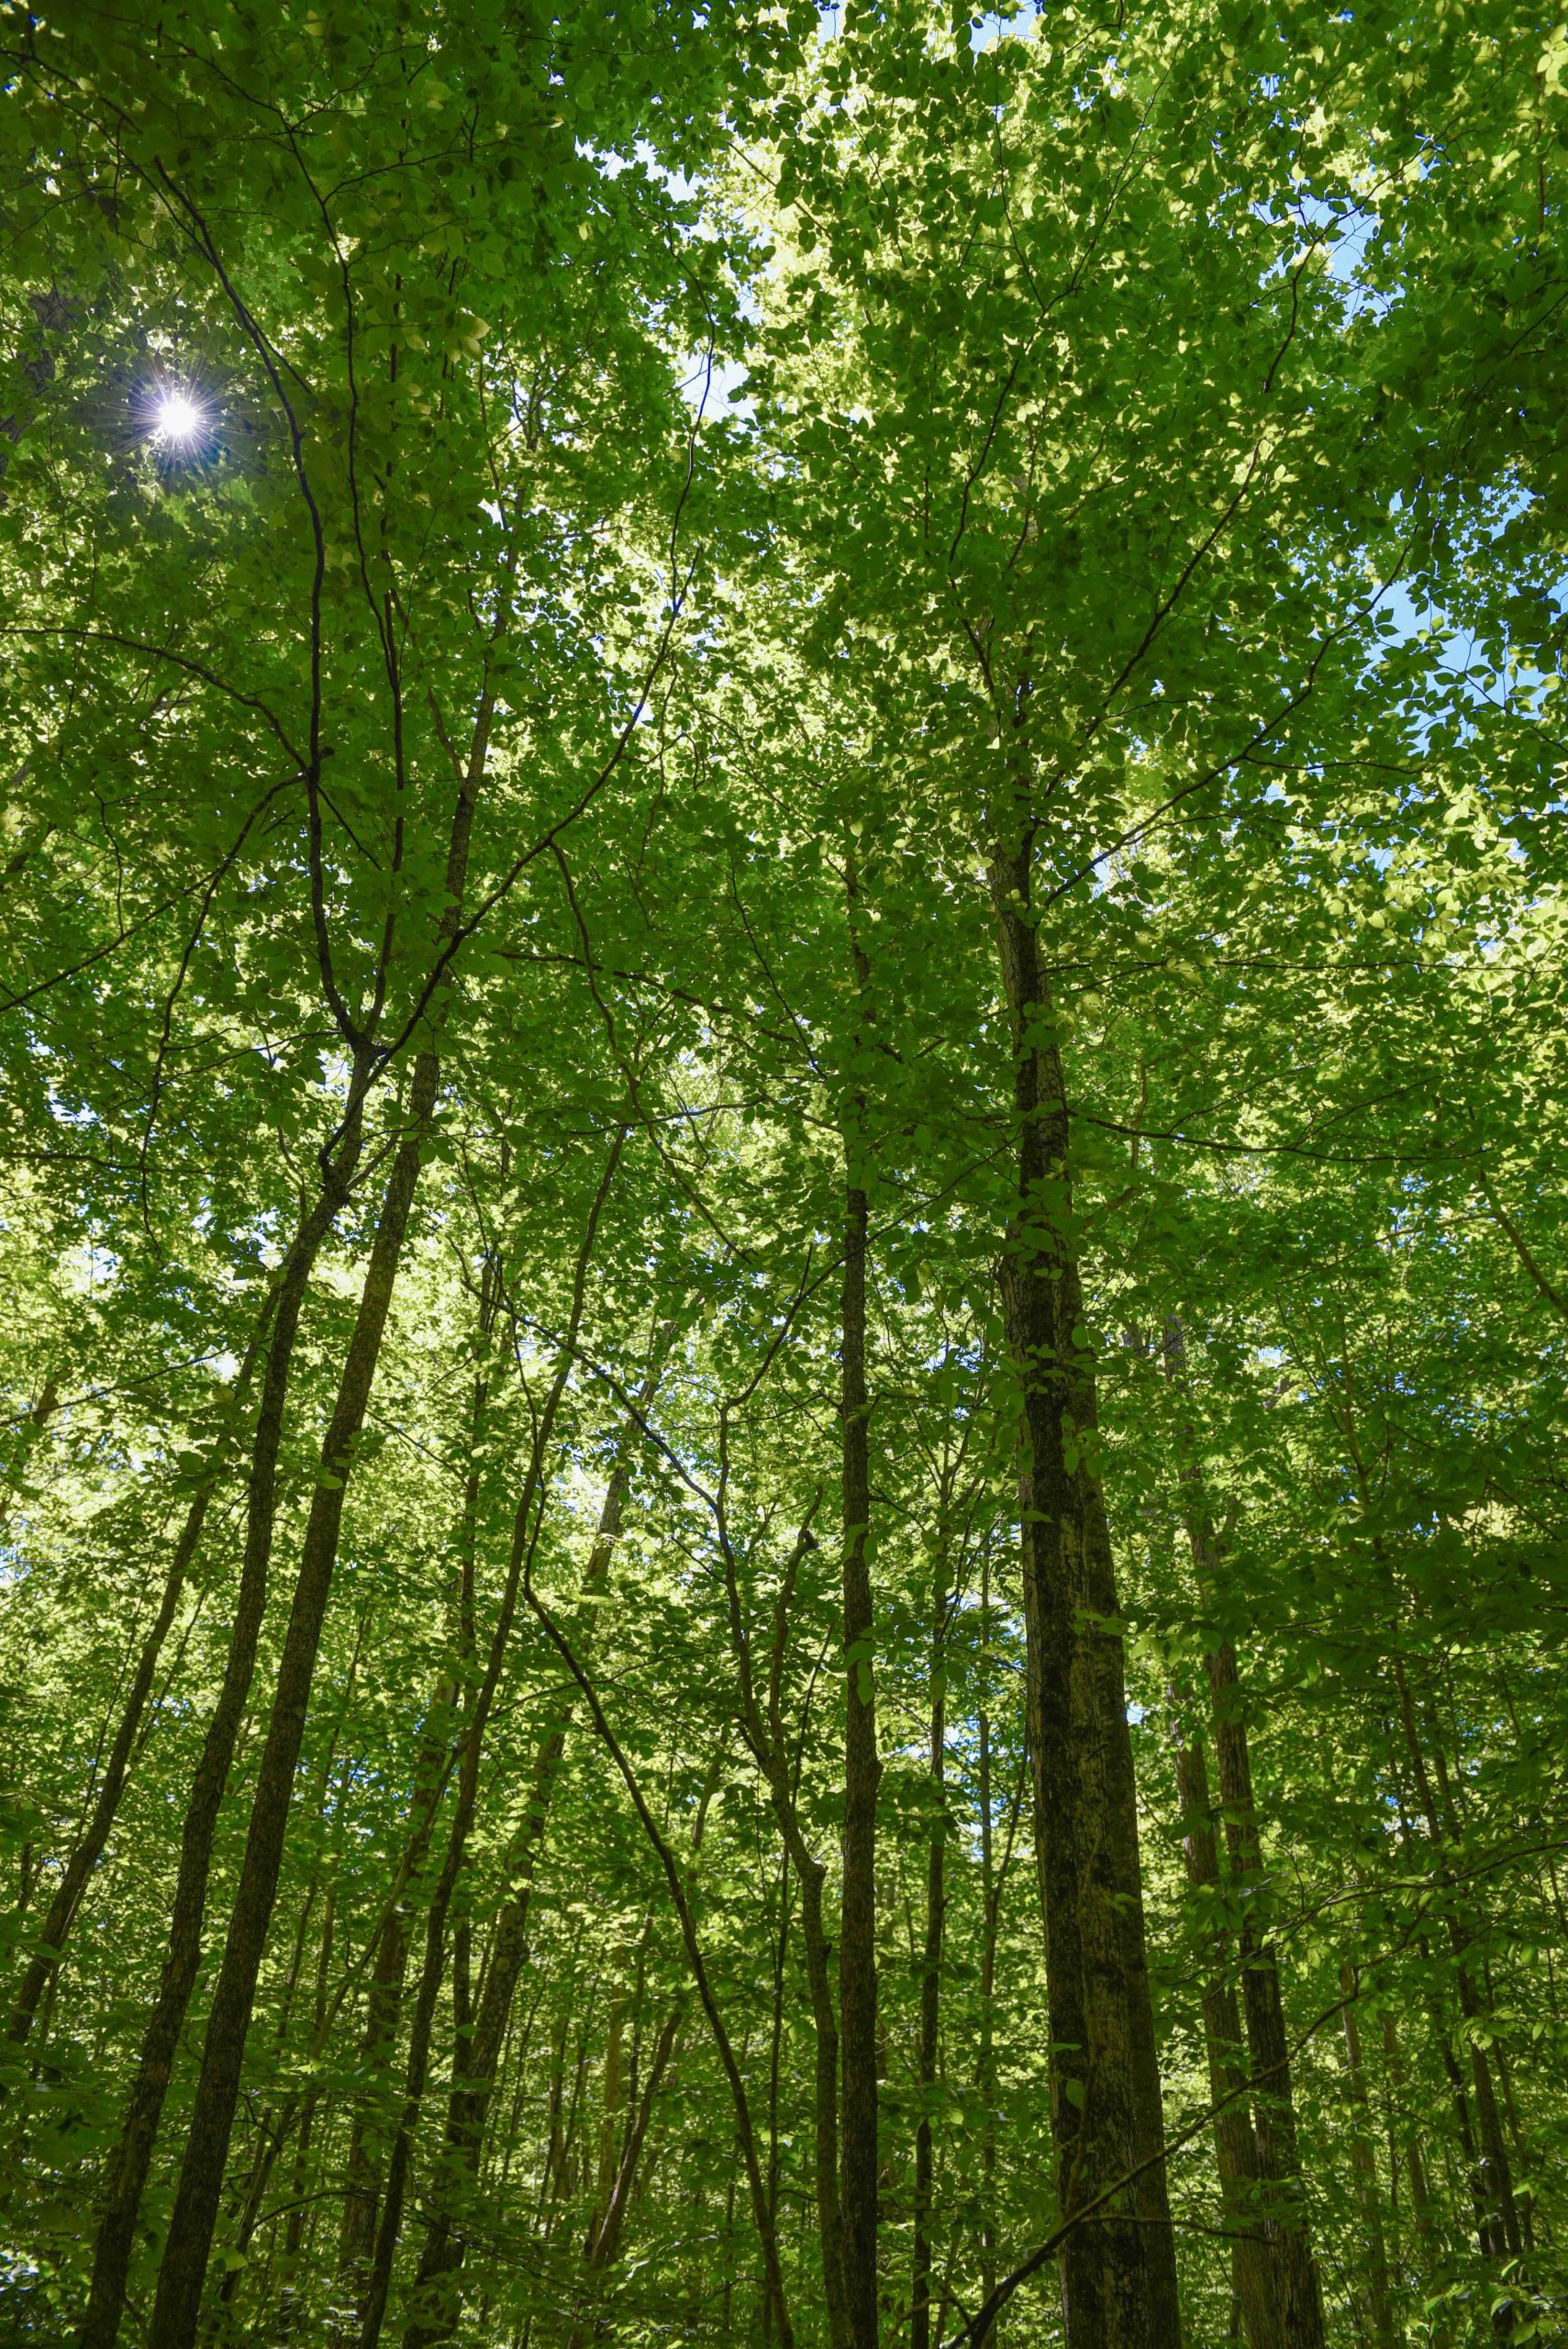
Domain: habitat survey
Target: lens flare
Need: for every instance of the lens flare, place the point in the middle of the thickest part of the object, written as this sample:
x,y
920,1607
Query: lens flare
x,y
176,419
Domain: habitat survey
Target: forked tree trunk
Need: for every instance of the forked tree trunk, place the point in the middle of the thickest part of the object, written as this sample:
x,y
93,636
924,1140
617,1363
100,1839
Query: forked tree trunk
x,y
188,2244
126,2172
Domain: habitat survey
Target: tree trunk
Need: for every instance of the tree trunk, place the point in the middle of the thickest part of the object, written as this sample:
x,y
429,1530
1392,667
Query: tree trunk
x,y
617,2178
1385,2333
724,2046
468,2108
766,1738
188,2244
1299,2294
126,2172
1500,2232
89,1849
356,2242
857,1936
525,1534
1117,2274
1235,2147
930,1981
1295,2296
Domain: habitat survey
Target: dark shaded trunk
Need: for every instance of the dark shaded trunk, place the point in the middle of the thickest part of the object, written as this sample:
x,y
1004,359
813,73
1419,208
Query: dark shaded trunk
x,y
125,2175
188,2244
1273,2109
1235,2148
930,1985
1500,2231
1118,2274
356,2242
468,2107
1385,2333
189,2241
857,1936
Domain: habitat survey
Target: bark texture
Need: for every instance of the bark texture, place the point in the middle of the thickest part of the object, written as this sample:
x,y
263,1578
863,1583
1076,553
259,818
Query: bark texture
x,y
1118,2273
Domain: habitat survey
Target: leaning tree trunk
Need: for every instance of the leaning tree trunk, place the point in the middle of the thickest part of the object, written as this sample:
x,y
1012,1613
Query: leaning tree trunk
x,y
1118,2270
125,2173
189,2241
188,2244
89,1849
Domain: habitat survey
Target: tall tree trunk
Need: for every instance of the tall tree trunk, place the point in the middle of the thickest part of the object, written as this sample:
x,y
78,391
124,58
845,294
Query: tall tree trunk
x,y
724,2046
930,1977
468,2108
857,1936
1406,2134
775,2057
1501,2235
126,2172
356,2242
1235,2147
1294,2299
1273,2107
188,2245
610,2218
527,1521
1118,2273
89,1848
765,1735
1385,2333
